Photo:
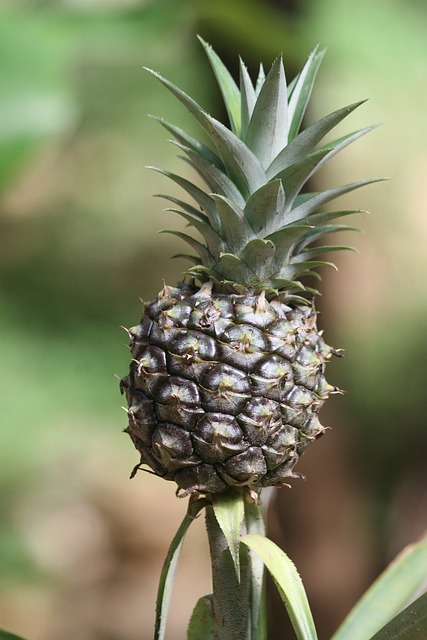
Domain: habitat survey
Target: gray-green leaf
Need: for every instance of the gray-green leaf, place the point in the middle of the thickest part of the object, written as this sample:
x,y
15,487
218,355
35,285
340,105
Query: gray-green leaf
x,y
229,89
301,91
267,132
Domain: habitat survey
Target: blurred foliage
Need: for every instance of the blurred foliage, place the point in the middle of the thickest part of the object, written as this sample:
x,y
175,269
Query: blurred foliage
x,y
78,247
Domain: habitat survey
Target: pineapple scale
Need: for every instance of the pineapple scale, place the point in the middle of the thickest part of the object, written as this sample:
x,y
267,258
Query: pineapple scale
x,y
224,390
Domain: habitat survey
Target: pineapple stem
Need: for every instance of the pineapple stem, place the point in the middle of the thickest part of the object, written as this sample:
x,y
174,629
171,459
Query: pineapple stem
x,y
254,521
231,597
238,603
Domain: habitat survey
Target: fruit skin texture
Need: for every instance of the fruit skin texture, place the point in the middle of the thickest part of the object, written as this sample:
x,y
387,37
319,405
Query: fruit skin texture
x,y
224,390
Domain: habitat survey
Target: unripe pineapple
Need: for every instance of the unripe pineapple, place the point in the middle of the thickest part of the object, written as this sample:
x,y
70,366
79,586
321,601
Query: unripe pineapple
x,y
227,380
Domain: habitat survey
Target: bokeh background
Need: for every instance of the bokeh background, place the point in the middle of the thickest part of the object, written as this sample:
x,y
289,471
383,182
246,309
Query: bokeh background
x,y
81,547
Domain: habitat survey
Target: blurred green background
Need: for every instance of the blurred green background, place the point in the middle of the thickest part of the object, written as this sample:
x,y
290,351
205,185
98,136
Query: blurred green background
x,y
81,546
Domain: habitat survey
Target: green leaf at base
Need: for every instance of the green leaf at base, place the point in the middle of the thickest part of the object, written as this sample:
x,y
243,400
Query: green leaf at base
x,y
395,587
410,624
229,511
5,635
202,621
169,568
288,582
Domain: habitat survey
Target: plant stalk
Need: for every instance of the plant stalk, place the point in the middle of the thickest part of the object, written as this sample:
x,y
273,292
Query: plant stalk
x,y
254,522
231,596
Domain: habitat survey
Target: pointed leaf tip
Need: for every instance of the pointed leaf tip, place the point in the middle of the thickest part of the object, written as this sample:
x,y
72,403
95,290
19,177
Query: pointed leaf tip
x,y
229,511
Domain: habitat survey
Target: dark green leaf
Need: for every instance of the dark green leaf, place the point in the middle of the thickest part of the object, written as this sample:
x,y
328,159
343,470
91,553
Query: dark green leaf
x,y
388,595
169,568
202,621
410,624
5,635
288,582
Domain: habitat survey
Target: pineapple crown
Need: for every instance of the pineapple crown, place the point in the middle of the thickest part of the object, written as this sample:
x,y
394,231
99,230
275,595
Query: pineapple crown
x,y
257,225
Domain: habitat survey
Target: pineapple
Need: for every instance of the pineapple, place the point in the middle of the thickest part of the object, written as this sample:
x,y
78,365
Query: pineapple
x,y
227,377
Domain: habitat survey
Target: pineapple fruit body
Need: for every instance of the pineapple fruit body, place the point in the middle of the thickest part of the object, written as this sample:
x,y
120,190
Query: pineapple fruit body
x,y
226,380
224,390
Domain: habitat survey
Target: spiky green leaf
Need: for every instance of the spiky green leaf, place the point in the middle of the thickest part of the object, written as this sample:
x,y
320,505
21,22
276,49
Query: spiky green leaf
x,y
311,264
296,175
6,635
284,239
265,208
212,239
304,143
205,202
248,98
319,219
267,132
194,144
258,254
319,232
316,200
260,79
234,228
204,254
216,180
241,164
229,89
301,92
233,269
308,254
